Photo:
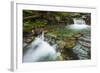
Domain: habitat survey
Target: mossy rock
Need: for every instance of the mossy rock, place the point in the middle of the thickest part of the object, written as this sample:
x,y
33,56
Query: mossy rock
x,y
78,35
70,42
61,44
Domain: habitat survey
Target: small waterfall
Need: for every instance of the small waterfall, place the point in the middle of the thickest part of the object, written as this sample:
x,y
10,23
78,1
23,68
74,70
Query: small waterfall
x,y
41,36
79,23
40,50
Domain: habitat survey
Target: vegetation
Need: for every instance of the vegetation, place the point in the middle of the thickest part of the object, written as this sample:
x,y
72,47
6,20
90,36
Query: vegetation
x,y
54,24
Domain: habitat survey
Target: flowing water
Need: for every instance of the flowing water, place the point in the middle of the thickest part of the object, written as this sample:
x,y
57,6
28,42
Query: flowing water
x,y
79,24
40,50
81,49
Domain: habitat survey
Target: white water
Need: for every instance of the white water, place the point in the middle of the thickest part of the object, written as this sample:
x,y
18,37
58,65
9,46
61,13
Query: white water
x,y
40,50
78,24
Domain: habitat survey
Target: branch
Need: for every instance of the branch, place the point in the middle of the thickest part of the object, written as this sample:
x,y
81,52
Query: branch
x,y
29,17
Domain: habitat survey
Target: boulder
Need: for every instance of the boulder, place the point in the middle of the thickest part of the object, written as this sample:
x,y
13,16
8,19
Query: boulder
x,y
70,42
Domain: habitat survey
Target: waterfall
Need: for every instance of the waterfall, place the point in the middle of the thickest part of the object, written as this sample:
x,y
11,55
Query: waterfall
x,y
79,23
42,36
40,50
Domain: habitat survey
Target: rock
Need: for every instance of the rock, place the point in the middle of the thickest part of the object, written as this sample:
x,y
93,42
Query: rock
x,y
68,54
85,44
60,58
28,39
70,42
61,44
78,35
50,38
83,47
85,41
45,31
82,52
65,47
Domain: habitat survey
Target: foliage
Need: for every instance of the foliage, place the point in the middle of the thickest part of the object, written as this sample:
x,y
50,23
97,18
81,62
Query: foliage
x,y
39,24
29,25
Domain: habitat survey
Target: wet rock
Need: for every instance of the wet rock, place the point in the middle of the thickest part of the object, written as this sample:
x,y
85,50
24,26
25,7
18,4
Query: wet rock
x,y
61,44
77,36
68,54
50,38
70,42
85,41
28,39
82,52
85,44
83,47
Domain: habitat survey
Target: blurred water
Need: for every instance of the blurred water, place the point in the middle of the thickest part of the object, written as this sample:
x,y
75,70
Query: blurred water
x,y
40,50
79,24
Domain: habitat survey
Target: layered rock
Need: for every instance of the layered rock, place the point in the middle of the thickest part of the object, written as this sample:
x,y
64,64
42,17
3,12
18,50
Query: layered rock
x,y
83,47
